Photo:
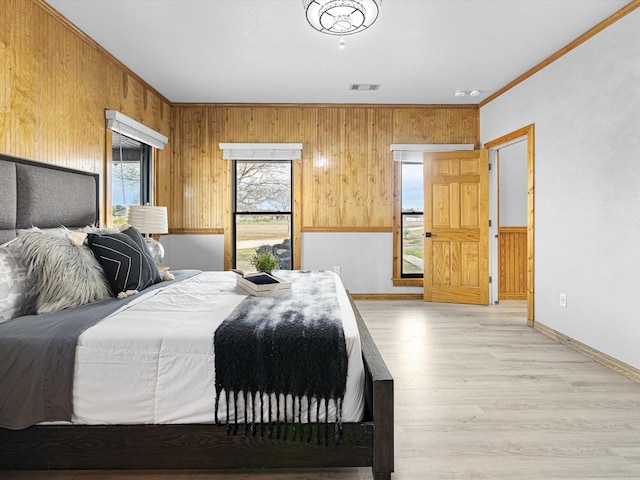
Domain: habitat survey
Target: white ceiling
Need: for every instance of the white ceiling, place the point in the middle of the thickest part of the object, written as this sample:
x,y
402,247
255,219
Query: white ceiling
x,y
264,51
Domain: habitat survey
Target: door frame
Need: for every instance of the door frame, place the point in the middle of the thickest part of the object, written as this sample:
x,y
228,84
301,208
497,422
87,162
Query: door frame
x,y
527,134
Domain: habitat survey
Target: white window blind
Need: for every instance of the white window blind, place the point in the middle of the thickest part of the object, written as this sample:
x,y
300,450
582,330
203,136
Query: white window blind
x,y
127,126
261,151
412,152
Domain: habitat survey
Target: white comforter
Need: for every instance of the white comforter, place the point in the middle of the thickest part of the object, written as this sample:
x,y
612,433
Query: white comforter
x,y
153,360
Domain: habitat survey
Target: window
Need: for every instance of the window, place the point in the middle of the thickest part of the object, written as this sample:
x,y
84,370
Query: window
x,y
411,220
263,219
130,176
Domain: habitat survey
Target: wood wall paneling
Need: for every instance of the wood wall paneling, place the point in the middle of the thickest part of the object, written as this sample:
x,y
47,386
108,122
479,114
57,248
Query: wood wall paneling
x,y
56,83
436,124
512,263
347,168
197,186
5,77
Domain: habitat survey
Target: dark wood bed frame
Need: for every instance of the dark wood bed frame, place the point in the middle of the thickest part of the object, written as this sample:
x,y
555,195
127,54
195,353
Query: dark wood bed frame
x,y
207,446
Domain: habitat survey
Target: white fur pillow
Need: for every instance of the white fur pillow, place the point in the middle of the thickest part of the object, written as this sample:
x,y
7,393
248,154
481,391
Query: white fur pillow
x,y
96,229
66,275
17,295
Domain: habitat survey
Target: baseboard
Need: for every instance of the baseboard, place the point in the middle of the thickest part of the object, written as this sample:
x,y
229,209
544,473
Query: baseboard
x,y
387,296
512,296
610,362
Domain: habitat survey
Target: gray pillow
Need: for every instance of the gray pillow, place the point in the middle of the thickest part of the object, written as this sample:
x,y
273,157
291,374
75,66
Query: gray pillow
x,y
17,295
66,275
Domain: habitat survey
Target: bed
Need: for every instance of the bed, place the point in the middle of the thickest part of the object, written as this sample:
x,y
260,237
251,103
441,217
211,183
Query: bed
x,y
170,436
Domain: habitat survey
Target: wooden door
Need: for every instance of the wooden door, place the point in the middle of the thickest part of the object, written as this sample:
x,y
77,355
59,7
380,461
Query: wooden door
x,y
456,219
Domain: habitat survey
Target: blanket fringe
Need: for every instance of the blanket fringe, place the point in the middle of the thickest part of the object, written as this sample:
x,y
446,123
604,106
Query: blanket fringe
x,y
280,425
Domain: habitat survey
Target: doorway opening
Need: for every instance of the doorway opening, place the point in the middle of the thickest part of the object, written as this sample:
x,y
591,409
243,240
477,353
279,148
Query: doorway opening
x,y
519,142
512,221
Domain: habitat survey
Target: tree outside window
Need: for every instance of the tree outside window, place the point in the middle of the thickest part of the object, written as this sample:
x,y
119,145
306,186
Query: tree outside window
x,y
130,176
263,214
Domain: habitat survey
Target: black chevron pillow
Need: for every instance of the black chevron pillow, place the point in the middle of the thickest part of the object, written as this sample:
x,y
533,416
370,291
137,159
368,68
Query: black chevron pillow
x,y
125,265
139,240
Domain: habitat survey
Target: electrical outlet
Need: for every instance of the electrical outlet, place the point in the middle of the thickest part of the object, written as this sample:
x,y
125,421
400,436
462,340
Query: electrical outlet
x,y
563,299
336,270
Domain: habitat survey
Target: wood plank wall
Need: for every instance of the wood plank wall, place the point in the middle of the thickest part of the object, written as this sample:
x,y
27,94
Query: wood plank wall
x,y
512,263
56,83
347,168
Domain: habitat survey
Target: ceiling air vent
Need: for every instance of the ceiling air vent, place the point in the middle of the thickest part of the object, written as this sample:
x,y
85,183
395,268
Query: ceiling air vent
x,y
364,86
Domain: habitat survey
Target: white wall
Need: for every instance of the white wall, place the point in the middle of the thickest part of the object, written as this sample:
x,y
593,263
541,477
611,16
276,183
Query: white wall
x,y
365,259
586,111
513,185
200,252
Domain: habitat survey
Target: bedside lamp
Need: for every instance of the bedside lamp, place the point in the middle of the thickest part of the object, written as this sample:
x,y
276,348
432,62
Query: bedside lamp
x,y
149,219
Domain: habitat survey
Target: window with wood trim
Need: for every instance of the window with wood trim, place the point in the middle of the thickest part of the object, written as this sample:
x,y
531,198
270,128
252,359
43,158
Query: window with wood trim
x,y
130,176
263,216
411,220
408,268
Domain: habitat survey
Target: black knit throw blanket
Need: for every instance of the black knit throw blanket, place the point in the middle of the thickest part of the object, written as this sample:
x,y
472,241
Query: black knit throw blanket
x,y
290,349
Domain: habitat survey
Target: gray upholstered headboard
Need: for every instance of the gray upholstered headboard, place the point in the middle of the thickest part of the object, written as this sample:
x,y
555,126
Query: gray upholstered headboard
x,y
45,196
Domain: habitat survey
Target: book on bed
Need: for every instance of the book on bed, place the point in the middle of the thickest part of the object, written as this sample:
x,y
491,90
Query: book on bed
x,y
262,284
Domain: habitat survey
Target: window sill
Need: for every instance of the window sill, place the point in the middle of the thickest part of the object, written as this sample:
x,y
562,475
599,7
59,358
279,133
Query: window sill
x,y
408,282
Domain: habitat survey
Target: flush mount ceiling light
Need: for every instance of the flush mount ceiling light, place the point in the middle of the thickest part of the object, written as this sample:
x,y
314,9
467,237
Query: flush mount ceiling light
x,y
341,17
464,93
364,86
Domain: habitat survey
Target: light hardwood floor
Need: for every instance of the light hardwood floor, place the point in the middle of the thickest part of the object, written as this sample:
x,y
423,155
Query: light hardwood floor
x,y
479,395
